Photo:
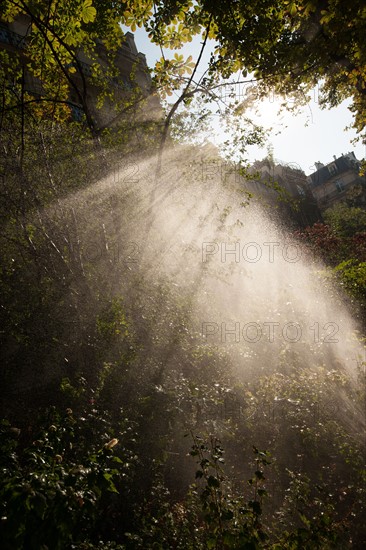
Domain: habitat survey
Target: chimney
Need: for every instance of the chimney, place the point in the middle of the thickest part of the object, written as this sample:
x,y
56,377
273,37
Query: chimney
x,y
319,165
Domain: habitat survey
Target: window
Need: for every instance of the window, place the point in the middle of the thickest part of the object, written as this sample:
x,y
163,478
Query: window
x,y
9,37
127,83
339,186
33,85
300,190
332,169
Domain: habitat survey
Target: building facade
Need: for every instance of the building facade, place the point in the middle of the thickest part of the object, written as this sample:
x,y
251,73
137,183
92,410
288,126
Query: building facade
x,y
285,188
337,181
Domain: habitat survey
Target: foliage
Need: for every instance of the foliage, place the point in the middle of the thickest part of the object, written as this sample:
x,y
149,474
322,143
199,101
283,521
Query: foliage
x,y
87,329
341,243
53,490
217,514
352,275
322,240
230,522
288,46
346,221
66,58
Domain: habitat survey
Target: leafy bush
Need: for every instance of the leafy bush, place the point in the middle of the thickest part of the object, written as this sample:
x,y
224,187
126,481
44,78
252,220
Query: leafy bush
x,y
51,491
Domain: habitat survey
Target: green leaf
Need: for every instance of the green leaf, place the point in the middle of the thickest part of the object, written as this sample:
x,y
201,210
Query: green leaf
x,y
304,520
88,13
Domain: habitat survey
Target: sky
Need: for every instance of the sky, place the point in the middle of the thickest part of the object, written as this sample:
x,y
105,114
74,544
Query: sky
x,y
310,136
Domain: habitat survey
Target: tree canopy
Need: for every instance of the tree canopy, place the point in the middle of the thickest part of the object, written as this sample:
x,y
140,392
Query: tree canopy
x,y
288,46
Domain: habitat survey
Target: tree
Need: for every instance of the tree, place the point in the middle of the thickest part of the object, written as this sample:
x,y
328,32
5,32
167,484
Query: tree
x,y
341,243
287,47
58,36
346,221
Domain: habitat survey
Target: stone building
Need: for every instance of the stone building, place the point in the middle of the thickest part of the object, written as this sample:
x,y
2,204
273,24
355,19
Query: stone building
x,y
283,187
338,181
